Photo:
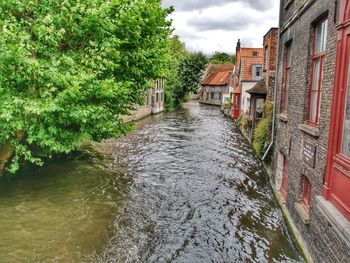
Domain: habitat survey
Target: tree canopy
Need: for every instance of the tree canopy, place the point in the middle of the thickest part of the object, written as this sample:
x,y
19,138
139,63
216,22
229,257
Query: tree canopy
x,y
69,69
191,71
222,58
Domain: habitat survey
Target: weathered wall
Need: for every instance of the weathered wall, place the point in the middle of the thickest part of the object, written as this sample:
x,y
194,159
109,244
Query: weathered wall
x,y
320,237
205,94
270,61
245,97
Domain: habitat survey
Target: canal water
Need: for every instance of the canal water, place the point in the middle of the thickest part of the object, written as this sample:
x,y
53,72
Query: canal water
x,y
183,187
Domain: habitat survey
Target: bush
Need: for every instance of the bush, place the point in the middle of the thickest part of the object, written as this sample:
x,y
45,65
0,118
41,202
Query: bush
x,y
262,131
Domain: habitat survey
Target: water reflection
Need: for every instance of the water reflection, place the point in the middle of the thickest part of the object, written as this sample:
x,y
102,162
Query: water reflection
x,y
184,187
199,195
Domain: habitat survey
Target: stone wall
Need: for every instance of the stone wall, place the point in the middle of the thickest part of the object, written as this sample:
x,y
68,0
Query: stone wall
x,y
297,21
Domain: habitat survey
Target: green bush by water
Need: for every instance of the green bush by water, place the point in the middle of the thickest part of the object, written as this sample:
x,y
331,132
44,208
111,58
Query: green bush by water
x,y
263,130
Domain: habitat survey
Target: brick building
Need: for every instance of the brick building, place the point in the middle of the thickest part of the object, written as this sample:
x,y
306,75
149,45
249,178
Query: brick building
x,y
264,89
248,72
216,84
313,160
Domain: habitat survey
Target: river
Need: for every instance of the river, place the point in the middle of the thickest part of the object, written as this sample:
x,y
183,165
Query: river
x,y
183,187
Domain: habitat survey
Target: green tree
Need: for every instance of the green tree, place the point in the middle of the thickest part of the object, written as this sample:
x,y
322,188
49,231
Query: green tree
x,y
190,73
177,52
68,69
222,58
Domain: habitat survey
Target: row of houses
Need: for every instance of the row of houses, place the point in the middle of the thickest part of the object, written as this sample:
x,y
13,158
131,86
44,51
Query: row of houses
x,y
303,70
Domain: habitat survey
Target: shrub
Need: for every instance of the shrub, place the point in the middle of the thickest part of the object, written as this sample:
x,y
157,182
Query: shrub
x,y
262,131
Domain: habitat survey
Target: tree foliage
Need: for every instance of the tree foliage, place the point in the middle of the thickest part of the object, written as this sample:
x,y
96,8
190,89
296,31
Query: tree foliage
x,y
177,52
190,71
68,69
222,58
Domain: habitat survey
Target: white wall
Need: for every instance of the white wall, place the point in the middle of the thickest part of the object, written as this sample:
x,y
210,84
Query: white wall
x,y
245,97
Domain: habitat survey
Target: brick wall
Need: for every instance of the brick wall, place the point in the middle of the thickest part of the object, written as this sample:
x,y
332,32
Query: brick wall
x,y
321,239
270,61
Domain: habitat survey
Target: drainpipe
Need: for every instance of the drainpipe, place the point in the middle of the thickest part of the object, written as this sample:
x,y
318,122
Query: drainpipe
x,y
274,96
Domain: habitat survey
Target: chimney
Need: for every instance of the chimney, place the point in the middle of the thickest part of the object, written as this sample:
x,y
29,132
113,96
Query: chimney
x,y
238,47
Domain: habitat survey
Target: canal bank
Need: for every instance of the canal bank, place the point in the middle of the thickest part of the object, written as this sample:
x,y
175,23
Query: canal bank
x,y
183,187
269,171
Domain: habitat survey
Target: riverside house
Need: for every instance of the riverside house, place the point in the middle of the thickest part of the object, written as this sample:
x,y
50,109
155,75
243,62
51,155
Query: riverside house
x,y
312,158
248,72
215,85
154,102
264,89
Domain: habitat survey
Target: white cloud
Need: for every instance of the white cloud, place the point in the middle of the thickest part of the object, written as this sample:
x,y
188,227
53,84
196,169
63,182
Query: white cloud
x,y
216,25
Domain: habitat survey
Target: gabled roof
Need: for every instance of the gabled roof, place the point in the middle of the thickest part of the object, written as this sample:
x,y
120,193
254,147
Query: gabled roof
x,y
218,75
259,88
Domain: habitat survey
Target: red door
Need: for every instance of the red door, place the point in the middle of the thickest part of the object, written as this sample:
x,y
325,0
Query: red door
x,y
337,181
236,105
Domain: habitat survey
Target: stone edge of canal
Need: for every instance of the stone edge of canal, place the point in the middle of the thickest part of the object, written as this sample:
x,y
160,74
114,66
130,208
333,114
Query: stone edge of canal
x,y
293,231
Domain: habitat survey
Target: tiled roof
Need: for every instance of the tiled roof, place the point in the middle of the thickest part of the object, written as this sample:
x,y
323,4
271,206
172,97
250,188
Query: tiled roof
x,y
218,75
237,90
259,88
246,67
248,52
220,67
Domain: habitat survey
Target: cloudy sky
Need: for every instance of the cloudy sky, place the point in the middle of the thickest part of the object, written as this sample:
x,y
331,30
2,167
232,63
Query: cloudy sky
x,y
216,25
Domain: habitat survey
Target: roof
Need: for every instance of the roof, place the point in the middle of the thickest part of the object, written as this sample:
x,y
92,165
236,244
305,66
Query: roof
x,y
246,67
246,57
237,90
218,75
220,67
259,88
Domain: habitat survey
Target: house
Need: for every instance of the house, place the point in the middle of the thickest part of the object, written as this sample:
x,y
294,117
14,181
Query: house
x,y
312,147
248,73
154,103
216,84
264,88
157,96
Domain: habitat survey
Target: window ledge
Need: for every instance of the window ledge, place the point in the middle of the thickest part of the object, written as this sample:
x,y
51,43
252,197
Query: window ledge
x,y
304,215
282,117
340,224
314,131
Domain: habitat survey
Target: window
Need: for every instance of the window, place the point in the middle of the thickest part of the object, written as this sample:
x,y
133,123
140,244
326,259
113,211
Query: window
x,y
237,101
259,108
346,125
256,72
319,51
306,194
286,78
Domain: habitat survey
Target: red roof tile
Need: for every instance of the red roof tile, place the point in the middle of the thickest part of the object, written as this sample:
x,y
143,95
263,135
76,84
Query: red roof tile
x,y
237,90
218,75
